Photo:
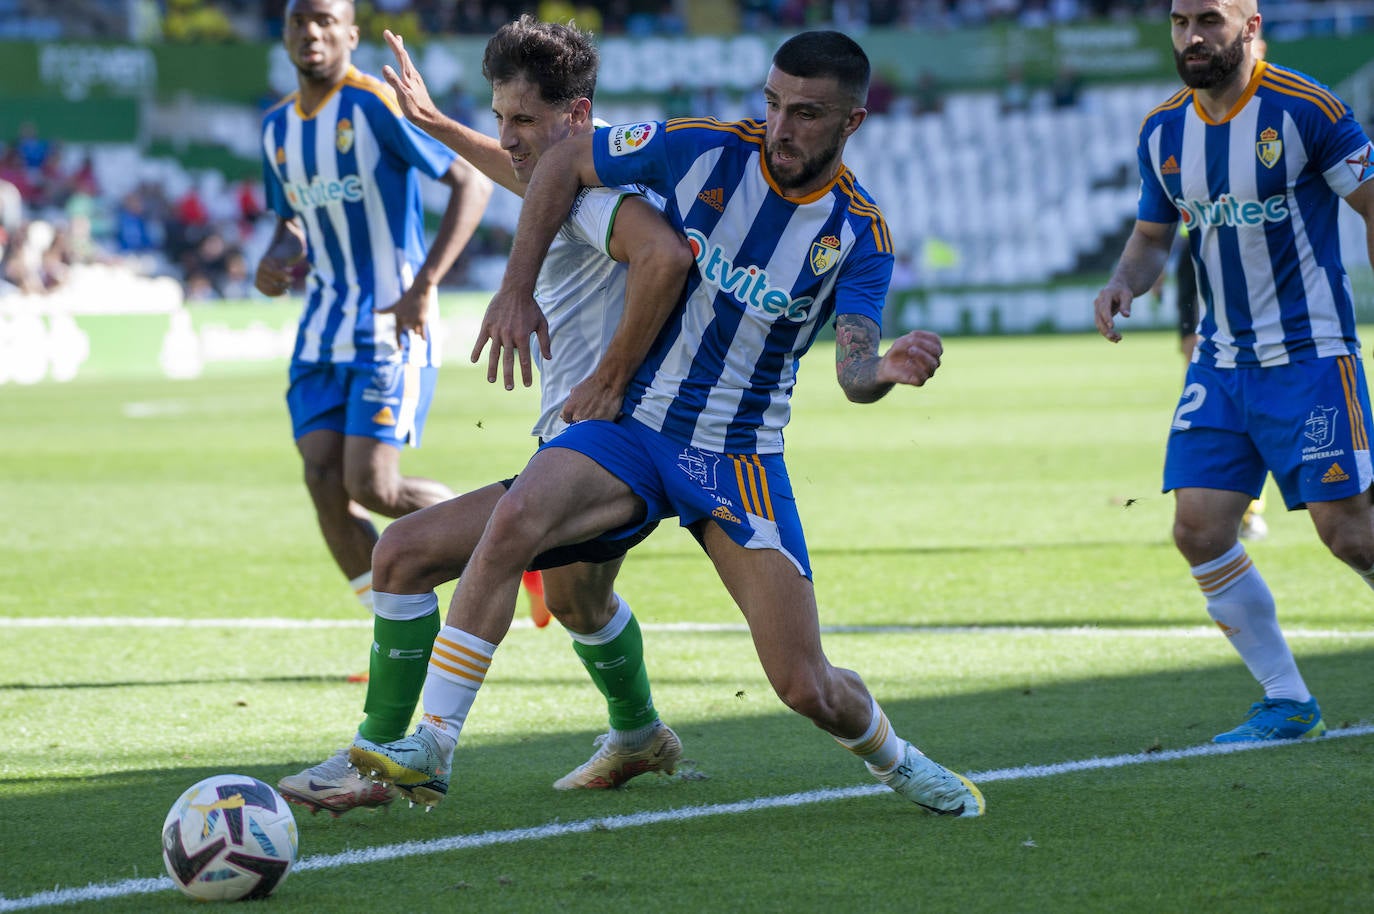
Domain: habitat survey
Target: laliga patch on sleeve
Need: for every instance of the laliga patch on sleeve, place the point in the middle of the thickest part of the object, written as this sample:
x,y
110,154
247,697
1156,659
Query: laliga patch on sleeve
x,y
627,138
1362,163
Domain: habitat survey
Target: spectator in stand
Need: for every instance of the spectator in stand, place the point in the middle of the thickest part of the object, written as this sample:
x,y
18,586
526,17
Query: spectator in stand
x,y
12,170
882,91
135,231
248,196
33,149
929,97
1067,87
72,246
197,287
236,283
1015,95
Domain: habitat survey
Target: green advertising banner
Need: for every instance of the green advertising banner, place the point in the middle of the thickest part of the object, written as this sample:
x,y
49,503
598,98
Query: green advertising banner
x,y
250,73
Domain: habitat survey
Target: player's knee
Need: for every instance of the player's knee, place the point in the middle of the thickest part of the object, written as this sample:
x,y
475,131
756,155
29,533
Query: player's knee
x,y
371,490
516,522
1200,540
389,562
578,613
322,478
1352,544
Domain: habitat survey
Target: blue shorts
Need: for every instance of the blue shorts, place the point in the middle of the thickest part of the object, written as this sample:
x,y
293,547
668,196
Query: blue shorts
x,y
1307,422
387,401
747,495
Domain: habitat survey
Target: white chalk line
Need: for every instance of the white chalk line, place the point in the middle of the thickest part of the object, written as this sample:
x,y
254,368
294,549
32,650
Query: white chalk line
x,y
1196,631
406,849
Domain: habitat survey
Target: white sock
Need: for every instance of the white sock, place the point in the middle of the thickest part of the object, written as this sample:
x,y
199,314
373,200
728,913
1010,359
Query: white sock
x,y
403,607
611,630
457,667
878,745
1368,575
1240,603
362,589
633,740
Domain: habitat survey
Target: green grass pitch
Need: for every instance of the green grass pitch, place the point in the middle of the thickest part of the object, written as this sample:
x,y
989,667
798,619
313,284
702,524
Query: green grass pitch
x,y
992,550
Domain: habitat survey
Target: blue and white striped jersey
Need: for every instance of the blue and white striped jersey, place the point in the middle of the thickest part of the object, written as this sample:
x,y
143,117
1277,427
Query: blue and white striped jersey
x,y
770,273
1259,193
348,171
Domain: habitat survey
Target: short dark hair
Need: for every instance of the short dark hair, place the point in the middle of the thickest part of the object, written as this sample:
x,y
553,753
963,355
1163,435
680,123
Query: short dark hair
x,y
560,59
826,53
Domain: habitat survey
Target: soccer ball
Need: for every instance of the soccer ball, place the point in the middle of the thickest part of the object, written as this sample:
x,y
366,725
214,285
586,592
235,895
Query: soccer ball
x,y
229,837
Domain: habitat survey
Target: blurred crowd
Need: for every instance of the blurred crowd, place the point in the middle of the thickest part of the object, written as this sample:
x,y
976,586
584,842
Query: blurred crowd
x,y
252,20
54,218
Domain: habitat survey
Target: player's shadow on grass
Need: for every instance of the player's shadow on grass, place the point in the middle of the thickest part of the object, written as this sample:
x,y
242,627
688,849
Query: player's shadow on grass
x,y
745,744
162,683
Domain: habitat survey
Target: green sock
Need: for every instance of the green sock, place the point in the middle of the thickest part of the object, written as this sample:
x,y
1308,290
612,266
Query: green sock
x,y
617,668
396,674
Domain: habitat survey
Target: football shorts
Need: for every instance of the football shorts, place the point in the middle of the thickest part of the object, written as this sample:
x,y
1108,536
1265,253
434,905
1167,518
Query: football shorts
x,y
749,496
1307,423
387,400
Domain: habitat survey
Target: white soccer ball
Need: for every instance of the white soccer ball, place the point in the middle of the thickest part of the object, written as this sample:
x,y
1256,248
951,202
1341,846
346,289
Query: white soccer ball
x,y
229,837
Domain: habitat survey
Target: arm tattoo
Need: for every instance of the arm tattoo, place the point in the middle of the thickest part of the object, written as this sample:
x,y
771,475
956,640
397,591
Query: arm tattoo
x,y
856,358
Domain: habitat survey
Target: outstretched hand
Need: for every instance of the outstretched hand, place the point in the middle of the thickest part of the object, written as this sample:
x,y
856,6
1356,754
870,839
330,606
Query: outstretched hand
x,y
509,323
411,92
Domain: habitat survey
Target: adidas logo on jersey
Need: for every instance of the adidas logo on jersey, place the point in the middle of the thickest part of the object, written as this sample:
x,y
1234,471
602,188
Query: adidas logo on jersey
x,y
714,198
1334,473
384,416
1170,166
724,513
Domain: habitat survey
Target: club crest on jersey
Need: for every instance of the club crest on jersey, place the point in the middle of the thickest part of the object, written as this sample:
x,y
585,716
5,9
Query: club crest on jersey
x,y
1269,147
1362,163
343,136
824,254
628,138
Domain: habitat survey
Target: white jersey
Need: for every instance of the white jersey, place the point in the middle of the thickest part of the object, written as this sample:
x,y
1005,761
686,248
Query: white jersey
x,y
581,291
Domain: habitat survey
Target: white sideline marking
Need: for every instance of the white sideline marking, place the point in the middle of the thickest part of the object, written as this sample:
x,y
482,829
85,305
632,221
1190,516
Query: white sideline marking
x,y
1195,631
404,849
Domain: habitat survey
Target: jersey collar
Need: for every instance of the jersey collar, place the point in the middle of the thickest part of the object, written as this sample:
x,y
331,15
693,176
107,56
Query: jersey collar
x,y
1249,93
350,74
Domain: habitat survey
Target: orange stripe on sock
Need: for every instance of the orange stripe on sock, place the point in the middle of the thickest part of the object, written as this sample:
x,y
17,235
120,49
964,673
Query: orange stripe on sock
x,y
460,661
1219,579
461,671
875,742
458,650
